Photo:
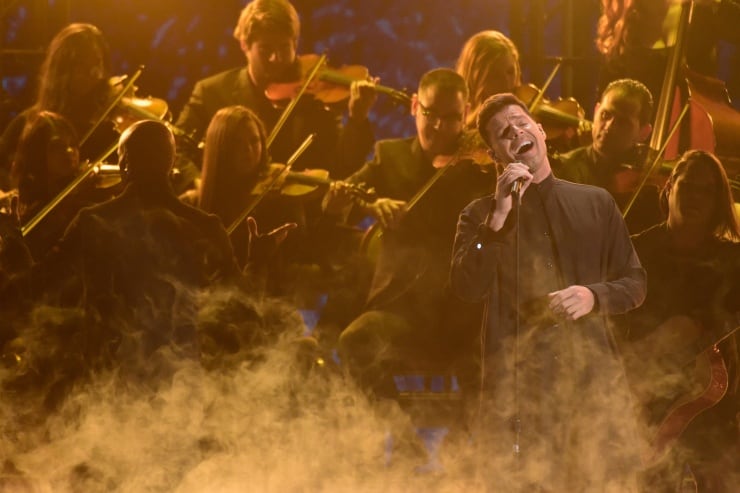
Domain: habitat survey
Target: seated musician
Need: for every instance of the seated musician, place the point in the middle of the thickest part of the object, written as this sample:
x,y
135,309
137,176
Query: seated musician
x,y
46,161
693,300
235,167
73,82
411,318
149,274
615,158
268,32
489,63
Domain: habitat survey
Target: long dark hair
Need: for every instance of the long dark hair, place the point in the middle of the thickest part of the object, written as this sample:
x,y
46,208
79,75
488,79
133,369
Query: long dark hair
x,y
724,223
55,76
225,134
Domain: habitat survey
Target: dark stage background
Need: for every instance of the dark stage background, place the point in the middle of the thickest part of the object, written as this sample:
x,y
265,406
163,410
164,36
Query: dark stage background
x,y
180,41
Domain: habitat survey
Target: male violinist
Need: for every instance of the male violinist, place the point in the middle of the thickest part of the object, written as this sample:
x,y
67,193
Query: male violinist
x,y
411,318
615,158
268,32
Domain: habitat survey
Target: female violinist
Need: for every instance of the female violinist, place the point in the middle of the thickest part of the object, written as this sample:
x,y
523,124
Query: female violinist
x,y
268,31
74,83
47,161
235,160
489,63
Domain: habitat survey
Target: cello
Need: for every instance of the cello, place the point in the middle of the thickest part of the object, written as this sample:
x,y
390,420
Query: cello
x,y
675,346
681,122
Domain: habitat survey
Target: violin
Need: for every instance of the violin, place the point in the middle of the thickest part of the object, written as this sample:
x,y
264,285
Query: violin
x,y
471,147
125,108
305,183
330,85
563,120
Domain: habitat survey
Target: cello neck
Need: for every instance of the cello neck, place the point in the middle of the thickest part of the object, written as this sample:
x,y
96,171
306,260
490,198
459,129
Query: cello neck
x,y
675,61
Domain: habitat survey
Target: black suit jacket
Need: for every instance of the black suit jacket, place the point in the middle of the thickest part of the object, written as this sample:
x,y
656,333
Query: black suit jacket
x,y
340,149
413,261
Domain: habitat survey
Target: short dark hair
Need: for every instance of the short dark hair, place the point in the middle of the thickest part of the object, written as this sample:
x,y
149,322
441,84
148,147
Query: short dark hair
x,y
444,79
147,150
265,16
493,105
634,89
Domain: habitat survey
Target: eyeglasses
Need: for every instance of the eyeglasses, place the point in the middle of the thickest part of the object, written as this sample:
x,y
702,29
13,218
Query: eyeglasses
x,y
433,117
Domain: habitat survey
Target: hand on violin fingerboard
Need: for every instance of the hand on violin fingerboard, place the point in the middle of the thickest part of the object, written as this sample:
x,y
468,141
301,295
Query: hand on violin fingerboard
x,y
338,199
362,96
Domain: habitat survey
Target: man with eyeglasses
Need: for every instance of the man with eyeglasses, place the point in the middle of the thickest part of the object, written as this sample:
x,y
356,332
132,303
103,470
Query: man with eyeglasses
x,y
411,321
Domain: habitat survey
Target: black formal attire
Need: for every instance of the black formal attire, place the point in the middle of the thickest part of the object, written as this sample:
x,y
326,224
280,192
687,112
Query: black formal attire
x,y
136,264
702,287
269,270
411,319
582,165
339,149
566,385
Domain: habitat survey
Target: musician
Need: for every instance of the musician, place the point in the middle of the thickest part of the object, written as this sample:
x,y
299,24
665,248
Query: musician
x,y
693,263
235,162
135,265
411,320
46,161
548,359
616,157
489,63
73,82
268,32
634,36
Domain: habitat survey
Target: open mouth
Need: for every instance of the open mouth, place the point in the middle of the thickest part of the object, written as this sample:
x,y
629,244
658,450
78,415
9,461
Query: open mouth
x,y
524,147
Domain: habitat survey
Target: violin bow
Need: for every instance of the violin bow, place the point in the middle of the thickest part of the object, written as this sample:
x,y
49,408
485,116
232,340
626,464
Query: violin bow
x,y
541,94
92,169
455,159
250,208
129,84
658,157
289,109
658,140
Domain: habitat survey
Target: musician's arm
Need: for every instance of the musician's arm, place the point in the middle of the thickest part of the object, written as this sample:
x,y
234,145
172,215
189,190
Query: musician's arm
x,y
477,252
626,284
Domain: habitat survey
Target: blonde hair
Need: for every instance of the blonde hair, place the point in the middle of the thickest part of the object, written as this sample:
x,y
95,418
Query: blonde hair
x,y
265,16
482,51
625,24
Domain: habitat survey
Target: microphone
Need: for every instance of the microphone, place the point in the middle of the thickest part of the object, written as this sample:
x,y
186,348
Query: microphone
x,y
516,188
